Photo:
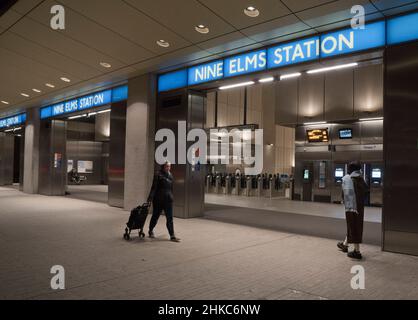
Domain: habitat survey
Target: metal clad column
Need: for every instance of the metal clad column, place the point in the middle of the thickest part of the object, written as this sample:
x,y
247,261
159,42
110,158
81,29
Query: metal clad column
x,y
53,158
400,139
186,106
117,154
6,159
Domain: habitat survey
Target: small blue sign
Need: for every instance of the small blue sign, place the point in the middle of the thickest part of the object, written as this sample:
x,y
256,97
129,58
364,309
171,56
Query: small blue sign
x,y
206,72
120,94
402,29
86,102
352,40
293,52
13,121
245,63
172,80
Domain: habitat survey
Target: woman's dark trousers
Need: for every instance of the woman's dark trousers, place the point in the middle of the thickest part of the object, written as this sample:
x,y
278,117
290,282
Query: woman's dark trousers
x,y
168,210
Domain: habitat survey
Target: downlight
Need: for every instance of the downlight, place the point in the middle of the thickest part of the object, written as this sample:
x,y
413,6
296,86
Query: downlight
x,y
49,85
252,12
65,79
5,102
25,95
163,43
201,28
105,65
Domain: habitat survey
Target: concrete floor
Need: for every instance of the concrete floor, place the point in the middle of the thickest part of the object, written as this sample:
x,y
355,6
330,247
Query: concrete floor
x,y
215,260
324,220
371,214
96,193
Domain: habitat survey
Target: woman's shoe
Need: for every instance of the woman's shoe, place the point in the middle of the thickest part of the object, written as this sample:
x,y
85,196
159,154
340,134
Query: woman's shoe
x,y
151,234
175,239
355,255
342,247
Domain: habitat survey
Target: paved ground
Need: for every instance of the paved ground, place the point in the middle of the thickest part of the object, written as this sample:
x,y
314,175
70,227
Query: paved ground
x,y
216,260
318,209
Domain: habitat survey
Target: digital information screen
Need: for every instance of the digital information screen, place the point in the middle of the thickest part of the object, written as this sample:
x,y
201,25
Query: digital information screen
x,y
339,173
306,174
376,174
346,133
318,135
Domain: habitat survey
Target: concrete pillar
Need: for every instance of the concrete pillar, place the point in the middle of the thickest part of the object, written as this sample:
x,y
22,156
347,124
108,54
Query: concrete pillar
x,y
31,155
140,127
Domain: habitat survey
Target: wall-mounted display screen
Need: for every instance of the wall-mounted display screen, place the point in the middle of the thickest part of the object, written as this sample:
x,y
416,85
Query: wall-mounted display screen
x,y
339,173
346,133
376,174
306,174
318,135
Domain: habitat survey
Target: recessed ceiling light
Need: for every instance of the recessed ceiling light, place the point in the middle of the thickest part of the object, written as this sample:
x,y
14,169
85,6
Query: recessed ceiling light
x,y
105,65
252,12
49,85
36,90
65,79
163,43
25,95
4,102
202,29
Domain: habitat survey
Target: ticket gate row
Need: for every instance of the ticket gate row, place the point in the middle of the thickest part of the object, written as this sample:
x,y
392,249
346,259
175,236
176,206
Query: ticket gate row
x,y
250,186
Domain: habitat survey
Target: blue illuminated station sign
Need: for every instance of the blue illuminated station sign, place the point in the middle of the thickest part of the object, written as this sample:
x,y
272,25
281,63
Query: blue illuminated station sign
x,y
13,121
345,41
86,102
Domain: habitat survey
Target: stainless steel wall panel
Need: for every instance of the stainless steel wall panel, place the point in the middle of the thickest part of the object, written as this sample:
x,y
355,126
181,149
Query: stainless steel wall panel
x,y
372,132
311,98
6,159
339,100
287,101
117,154
52,158
400,208
368,91
188,180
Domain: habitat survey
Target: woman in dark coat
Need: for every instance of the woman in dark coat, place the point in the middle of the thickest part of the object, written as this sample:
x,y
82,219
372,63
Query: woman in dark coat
x,y
161,196
354,191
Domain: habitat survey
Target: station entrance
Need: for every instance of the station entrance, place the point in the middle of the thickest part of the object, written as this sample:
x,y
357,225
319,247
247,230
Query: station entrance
x,y
11,156
82,153
315,121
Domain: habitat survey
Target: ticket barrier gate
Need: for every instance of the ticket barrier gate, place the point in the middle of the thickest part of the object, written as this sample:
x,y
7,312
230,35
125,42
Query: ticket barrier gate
x,y
227,187
218,184
237,189
208,184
